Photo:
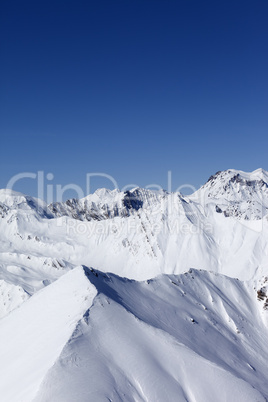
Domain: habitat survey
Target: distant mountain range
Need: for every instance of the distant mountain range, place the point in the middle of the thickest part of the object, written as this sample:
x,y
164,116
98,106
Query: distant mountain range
x,y
136,296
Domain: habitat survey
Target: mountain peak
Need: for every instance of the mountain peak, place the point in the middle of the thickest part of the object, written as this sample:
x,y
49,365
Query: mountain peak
x,y
238,175
236,193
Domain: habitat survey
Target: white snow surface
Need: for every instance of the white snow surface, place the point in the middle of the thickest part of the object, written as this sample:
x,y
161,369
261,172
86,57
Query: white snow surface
x,y
91,336
33,336
175,309
139,234
11,297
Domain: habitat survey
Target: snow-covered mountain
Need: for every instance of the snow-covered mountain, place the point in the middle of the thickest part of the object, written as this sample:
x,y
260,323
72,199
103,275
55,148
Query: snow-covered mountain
x,y
236,193
240,194
94,337
105,204
188,323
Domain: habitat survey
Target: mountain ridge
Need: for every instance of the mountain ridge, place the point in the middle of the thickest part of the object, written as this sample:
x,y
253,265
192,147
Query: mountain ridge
x,y
135,229
137,295
127,331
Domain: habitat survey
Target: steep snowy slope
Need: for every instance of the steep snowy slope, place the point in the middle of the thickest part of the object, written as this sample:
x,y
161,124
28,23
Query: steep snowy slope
x,y
91,336
192,337
33,336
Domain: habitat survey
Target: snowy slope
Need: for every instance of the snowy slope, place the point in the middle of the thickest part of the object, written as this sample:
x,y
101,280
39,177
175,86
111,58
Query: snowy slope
x,y
14,201
33,336
11,297
91,336
236,193
165,232
172,338
69,334
125,232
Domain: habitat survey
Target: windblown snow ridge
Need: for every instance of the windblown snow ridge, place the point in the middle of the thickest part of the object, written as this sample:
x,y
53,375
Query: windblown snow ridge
x,y
33,336
176,337
91,336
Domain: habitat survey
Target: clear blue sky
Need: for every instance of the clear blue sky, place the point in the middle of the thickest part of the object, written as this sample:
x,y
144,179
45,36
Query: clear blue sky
x,y
132,88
